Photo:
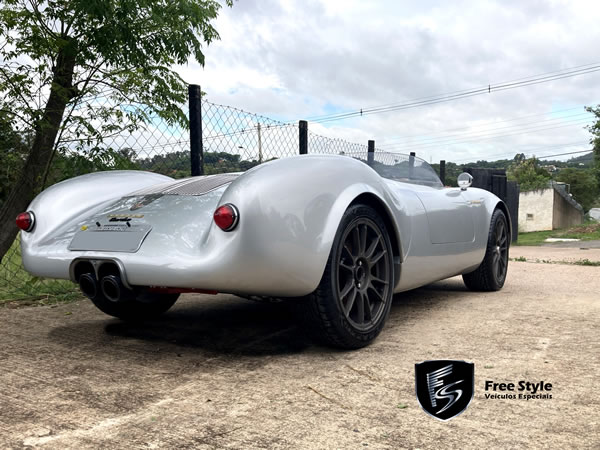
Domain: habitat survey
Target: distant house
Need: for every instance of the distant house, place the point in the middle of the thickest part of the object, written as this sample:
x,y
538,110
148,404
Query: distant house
x,y
548,209
551,168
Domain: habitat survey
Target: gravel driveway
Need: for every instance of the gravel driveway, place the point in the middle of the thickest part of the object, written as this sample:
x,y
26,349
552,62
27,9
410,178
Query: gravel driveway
x,y
221,372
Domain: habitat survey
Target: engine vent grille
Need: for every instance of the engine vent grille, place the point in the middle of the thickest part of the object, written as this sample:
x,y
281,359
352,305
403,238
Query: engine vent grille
x,y
189,186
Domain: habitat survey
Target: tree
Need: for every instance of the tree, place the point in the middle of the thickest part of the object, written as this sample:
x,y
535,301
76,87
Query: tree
x,y
584,185
71,164
14,148
528,174
70,53
595,140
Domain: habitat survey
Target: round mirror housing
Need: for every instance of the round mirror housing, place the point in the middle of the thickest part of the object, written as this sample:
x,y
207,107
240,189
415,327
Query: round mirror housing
x,y
464,180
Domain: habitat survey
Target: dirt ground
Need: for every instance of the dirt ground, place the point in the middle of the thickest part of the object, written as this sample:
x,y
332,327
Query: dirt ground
x,y
222,372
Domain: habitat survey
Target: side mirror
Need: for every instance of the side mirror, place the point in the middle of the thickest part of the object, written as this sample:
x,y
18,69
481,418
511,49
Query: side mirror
x,y
464,180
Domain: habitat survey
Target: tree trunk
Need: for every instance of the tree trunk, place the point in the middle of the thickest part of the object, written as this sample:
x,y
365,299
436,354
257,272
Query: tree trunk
x,y
38,161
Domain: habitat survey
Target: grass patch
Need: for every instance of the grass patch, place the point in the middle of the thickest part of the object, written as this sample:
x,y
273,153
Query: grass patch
x,y
585,232
18,288
533,238
587,262
519,259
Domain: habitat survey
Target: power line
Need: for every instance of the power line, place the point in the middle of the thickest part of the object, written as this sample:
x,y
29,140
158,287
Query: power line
x,y
490,123
563,154
529,150
582,67
486,137
441,98
475,133
536,157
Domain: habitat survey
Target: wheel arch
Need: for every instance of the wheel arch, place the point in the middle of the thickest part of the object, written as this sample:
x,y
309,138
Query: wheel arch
x,y
372,200
502,207
281,210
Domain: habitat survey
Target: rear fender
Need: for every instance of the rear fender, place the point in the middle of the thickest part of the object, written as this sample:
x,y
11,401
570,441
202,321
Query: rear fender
x,y
69,200
290,212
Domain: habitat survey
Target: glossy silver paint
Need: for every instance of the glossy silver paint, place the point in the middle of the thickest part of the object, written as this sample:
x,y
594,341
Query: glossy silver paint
x,y
289,212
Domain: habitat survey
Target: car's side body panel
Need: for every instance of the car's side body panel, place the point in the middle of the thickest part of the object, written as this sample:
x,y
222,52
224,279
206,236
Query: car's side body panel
x,y
290,210
433,255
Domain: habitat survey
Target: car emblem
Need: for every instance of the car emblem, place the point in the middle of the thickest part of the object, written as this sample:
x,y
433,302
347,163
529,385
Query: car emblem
x,y
444,387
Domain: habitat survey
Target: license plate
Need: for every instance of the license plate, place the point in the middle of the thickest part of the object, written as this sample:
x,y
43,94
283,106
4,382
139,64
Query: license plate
x,y
110,238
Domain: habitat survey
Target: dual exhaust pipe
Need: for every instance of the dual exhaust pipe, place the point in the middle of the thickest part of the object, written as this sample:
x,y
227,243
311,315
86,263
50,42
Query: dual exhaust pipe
x,y
111,286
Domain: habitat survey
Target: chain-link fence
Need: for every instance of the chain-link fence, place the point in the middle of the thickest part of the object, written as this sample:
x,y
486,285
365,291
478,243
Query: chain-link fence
x,y
232,140
235,140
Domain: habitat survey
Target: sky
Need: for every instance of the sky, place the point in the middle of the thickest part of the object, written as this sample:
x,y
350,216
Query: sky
x,y
302,59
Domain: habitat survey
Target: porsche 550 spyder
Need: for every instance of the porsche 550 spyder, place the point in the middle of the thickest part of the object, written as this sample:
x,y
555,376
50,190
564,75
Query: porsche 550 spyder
x,y
339,234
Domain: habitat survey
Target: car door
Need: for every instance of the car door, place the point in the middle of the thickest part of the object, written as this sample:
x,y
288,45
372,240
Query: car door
x,y
449,215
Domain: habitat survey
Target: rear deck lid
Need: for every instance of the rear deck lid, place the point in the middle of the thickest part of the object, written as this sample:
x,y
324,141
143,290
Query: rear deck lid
x,y
176,210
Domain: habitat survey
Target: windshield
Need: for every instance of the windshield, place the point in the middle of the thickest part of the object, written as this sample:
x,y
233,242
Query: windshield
x,y
400,167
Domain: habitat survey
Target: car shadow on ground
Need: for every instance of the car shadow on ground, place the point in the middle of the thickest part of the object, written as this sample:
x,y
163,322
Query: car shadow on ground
x,y
229,325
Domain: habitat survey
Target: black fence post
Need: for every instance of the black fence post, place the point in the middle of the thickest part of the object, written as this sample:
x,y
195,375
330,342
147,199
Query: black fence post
x,y
411,164
303,137
371,152
196,149
443,171
512,202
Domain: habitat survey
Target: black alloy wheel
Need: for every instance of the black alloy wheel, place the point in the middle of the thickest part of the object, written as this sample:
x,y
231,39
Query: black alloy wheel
x,y
500,251
362,281
491,273
351,304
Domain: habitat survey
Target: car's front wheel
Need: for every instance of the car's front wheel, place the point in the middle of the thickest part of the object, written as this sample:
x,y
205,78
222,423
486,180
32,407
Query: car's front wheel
x,y
491,273
351,304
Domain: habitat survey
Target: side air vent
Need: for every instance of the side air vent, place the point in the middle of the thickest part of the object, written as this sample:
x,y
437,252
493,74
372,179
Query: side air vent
x,y
189,186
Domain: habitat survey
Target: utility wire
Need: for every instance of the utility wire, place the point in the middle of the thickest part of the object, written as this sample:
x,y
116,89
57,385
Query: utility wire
x,y
472,159
561,154
564,154
528,150
511,119
486,137
475,133
441,98
558,72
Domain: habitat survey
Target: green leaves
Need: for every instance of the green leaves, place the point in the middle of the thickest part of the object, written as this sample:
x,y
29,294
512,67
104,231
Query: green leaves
x,y
529,175
583,185
74,72
595,140
124,51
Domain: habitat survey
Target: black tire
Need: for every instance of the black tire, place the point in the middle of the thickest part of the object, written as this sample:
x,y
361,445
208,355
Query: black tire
x,y
491,273
144,306
352,316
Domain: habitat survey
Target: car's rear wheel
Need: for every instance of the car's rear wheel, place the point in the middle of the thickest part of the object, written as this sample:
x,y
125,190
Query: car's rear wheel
x,y
491,273
351,304
143,306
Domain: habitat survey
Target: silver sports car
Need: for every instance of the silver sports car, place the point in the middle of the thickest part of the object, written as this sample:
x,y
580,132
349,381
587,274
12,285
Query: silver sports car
x,y
338,234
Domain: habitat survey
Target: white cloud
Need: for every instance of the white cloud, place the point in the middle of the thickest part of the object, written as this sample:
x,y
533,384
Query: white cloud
x,y
295,59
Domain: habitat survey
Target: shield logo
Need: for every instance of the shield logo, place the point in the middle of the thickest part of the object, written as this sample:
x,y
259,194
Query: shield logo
x,y
444,387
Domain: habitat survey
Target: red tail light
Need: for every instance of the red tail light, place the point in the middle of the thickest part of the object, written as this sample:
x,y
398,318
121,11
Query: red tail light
x,y
226,217
26,221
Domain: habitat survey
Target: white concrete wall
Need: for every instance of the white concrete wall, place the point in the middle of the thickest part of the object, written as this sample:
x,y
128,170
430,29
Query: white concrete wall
x,y
539,205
